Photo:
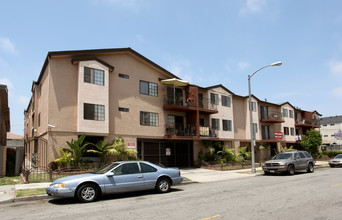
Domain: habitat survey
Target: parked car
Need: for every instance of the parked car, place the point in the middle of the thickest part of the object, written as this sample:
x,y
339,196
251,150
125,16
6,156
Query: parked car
x,y
337,161
117,177
289,162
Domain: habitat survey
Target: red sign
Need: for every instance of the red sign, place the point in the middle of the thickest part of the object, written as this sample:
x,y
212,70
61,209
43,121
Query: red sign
x,y
278,135
168,151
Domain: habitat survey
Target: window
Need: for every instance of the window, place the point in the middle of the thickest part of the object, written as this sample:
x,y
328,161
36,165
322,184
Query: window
x,y
326,135
39,120
93,76
285,112
332,135
301,155
201,122
145,168
40,90
253,106
255,127
125,76
122,109
227,125
292,131
307,154
214,99
226,101
149,119
332,124
128,168
215,124
171,121
94,112
291,113
148,88
286,130
325,125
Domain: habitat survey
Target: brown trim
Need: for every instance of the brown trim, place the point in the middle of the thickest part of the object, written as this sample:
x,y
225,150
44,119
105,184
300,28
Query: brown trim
x,y
76,60
97,51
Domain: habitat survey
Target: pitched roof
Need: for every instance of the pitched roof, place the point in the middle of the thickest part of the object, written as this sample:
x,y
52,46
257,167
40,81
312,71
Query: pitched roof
x,y
331,120
93,53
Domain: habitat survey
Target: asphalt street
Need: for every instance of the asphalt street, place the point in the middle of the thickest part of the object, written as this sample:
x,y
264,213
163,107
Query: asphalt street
x,y
302,196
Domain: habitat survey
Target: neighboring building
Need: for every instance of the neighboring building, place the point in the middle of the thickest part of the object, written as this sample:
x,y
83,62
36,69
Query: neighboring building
x,y
15,154
113,93
4,127
331,128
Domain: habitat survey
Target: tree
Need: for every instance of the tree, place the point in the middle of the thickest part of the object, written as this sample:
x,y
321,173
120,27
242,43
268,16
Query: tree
x,y
244,154
76,149
118,151
312,141
102,148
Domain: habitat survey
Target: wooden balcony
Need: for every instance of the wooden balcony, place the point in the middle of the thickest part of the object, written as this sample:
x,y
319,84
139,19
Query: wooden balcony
x,y
272,117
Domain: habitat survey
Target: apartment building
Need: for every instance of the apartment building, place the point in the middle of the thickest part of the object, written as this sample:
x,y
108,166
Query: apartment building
x,y
331,128
4,127
111,93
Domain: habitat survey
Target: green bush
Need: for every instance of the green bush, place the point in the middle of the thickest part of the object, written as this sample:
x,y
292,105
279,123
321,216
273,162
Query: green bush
x,y
332,154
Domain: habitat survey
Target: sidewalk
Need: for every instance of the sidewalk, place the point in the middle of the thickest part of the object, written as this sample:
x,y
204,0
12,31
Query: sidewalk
x,y
196,175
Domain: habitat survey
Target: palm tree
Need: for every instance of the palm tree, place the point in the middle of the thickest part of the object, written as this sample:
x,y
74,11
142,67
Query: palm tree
x,y
102,148
244,154
76,149
118,151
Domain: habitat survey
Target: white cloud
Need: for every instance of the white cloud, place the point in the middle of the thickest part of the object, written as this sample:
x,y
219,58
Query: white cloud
x,y
335,67
242,65
6,45
6,82
337,92
253,6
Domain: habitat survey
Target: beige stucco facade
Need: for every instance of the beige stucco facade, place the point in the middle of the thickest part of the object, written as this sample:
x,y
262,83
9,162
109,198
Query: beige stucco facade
x,y
136,107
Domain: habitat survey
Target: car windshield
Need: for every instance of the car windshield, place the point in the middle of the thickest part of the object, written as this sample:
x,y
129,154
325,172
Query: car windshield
x,y
282,156
338,156
105,168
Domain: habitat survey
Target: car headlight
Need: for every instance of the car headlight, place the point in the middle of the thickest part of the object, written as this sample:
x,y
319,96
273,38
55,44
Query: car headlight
x,y
58,185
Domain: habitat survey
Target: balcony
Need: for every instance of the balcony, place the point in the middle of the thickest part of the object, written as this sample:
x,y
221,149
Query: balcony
x,y
181,131
308,122
178,104
272,117
189,131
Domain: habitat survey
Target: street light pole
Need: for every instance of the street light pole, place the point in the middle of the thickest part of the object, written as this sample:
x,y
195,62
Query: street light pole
x,y
251,112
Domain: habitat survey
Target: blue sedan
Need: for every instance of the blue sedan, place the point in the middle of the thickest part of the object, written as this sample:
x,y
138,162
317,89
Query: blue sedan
x,y
117,177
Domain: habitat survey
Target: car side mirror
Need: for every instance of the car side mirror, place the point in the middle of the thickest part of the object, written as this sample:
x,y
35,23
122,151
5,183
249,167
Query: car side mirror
x,y
298,157
110,174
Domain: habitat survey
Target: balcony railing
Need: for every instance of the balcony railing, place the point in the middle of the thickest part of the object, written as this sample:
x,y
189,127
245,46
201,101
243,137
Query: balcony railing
x,y
205,104
207,132
272,117
188,130
308,122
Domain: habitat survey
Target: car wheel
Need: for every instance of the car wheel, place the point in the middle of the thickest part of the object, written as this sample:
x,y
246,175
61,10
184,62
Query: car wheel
x,y
310,168
332,165
291,170
87,193
163,185
266,173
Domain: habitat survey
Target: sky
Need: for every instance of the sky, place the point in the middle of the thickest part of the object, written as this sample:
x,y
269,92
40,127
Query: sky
x,y
206,42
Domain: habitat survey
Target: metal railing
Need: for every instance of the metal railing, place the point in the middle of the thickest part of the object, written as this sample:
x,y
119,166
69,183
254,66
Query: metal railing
x,y
202,103
272,115
308,121
180,130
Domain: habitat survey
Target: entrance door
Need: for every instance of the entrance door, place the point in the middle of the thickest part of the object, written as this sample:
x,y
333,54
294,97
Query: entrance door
x,y
179,125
